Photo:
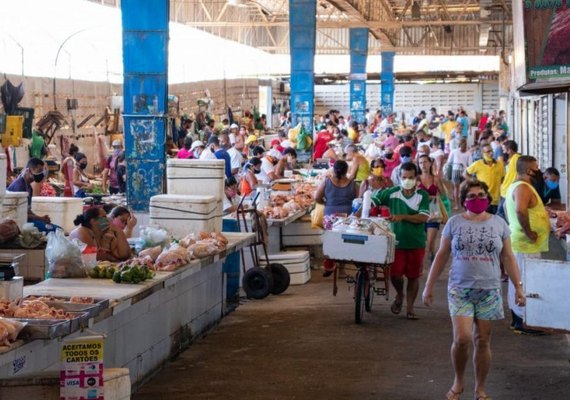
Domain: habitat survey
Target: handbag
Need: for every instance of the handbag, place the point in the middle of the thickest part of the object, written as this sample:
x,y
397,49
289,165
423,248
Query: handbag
x,y
317,216
447,169
435,210
443,209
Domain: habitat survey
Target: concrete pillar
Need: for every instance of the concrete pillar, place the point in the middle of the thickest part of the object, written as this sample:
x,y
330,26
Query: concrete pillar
x,y
145,90
302,37
358,56
387,86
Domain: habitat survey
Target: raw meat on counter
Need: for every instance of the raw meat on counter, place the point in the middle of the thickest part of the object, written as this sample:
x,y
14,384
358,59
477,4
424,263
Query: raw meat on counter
x,y
73,299
31,309
199,245
9,331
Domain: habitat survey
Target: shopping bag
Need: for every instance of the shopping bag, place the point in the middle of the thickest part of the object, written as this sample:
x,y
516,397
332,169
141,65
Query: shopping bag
x,y
434,210
317,216
443,208
64,257
447,169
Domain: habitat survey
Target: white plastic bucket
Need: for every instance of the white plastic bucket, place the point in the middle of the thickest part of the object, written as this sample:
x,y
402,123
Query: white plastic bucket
x,y
15,207
61,210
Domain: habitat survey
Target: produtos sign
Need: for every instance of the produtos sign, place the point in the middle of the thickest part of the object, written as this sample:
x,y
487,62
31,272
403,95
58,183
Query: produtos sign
x,y
547,33
81,376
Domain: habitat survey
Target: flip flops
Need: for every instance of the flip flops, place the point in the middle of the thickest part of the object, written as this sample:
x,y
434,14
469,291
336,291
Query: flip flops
x,y
453,395
482,397
412,316
396,307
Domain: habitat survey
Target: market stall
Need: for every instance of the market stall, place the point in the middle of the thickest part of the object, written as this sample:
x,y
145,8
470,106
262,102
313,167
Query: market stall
x,y
144,324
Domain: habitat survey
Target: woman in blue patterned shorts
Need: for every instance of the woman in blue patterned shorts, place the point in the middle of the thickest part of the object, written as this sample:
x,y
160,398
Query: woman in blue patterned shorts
x,y
477,242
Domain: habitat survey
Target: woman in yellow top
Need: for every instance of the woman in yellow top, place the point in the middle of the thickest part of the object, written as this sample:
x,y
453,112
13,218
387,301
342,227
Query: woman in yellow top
x,y
353,132
359,166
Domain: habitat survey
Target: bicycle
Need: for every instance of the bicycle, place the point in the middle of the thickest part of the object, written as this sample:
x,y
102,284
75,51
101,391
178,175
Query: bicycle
x,y
367,275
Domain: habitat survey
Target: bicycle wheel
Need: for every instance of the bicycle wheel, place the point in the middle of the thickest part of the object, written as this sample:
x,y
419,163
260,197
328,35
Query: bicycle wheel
x,y
368,295
359,296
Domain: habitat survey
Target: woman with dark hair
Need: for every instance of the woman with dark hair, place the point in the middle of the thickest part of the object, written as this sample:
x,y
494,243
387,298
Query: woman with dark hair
x,y
231,198
477,242
68,166
95,230
122,218
337,192
376,180
185,153
81,183
249,179
429,182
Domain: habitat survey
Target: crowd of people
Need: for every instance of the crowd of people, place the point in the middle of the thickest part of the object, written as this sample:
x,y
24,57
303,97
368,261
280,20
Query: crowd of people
x,y
426,171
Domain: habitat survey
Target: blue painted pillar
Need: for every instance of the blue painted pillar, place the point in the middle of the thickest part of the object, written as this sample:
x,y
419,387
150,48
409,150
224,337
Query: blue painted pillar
x,y
302,39
358,56
387,86
145,88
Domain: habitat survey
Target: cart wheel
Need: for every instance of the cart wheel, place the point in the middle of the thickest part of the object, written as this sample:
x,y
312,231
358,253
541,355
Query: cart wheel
x,y
369,297
281,278
257,283
359,297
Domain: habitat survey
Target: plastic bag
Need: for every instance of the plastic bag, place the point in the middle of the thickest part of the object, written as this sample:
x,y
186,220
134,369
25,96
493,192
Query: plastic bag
x,y
303,142
434,210
154,236
64,257
317,216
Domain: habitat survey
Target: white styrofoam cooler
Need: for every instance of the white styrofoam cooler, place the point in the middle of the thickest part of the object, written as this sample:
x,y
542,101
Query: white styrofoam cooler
x,y
196,177
298,263
15,206
300,233
61,210
184,214
359,247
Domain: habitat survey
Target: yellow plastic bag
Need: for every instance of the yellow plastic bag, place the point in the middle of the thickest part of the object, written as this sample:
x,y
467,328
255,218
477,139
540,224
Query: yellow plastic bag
x,y
317,216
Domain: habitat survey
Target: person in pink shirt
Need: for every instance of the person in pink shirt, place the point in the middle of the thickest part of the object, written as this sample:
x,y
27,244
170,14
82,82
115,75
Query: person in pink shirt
x,y
391,140
185,152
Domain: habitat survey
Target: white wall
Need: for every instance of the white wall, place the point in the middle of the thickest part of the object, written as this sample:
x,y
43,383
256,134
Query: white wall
x,y
412,98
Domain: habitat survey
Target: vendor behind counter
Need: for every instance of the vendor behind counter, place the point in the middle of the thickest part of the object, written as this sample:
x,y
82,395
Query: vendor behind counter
x,y
34,172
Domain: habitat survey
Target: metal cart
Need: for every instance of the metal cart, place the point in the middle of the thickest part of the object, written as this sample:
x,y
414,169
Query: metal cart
x,y
258,282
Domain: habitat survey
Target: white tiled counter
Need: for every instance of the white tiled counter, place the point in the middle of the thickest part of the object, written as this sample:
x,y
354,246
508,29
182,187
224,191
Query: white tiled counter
x,y
145,324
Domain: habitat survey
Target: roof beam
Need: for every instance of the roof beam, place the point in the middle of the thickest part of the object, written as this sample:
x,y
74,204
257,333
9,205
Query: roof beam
x,y
375,25
346,7
399,49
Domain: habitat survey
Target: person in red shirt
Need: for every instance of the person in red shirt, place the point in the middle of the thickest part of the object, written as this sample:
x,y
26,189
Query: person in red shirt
x,y
323,137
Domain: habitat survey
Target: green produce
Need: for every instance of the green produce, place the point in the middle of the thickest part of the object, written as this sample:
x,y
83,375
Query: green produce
x,y
117,277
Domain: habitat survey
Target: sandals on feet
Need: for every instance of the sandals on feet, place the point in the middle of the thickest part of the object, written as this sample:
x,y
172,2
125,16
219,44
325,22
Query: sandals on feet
x,y
453,395
412,316
396,307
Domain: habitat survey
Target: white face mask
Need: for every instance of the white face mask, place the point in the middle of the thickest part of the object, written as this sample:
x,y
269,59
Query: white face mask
x,y
408,184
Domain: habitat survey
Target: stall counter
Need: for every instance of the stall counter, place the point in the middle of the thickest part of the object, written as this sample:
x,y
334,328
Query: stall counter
x,y
146,323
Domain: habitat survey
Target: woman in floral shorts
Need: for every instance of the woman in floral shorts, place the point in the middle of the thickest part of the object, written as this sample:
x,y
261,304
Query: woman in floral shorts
x,y
477,242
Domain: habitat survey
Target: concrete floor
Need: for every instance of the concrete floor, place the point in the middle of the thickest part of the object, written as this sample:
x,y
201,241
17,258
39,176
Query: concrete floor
x,y
304,344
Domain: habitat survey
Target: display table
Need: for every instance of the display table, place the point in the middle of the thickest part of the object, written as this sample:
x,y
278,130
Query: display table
x,y
146,323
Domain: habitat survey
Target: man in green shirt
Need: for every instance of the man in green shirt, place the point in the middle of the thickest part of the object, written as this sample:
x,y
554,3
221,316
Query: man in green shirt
x,y
409,210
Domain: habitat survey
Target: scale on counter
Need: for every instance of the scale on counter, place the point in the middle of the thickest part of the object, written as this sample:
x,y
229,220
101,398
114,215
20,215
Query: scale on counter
x,y
9,266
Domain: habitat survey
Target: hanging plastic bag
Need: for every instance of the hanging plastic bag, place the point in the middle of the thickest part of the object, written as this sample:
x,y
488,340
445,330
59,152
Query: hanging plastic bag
x,y
434,210
303,139
317,216
64,257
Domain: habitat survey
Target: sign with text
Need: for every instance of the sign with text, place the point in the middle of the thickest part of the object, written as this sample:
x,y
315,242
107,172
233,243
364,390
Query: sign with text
x,y
81,375
547,33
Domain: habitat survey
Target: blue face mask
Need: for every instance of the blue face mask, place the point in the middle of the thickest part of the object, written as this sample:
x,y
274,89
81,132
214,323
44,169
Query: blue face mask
x,y
551,185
